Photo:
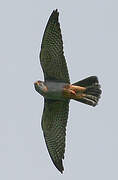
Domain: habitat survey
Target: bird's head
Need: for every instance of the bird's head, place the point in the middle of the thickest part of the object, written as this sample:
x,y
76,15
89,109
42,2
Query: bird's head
x,y
40,87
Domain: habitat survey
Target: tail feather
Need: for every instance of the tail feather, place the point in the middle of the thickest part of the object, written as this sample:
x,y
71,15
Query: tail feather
x,y
92,93
87,82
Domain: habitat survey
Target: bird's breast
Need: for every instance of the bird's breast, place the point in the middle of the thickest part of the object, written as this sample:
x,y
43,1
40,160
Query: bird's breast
x,y
55,90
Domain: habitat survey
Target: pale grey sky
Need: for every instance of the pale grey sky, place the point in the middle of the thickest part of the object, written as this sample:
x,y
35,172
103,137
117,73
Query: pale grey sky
x,y
90,36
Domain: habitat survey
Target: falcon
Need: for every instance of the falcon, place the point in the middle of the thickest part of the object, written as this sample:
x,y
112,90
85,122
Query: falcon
x,y
58,91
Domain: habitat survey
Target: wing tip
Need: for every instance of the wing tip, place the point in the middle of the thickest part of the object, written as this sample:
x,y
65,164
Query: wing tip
x,y
54,15
56,11
59,166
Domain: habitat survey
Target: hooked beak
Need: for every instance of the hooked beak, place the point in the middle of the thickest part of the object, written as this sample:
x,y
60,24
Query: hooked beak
x,y
37,83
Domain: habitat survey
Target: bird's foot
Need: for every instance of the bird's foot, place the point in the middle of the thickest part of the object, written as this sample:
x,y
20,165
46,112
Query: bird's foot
x,y
77,89
72,92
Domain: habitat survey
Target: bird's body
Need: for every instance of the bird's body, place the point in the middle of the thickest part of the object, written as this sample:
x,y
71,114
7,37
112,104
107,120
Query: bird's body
x,y
55,90
58,91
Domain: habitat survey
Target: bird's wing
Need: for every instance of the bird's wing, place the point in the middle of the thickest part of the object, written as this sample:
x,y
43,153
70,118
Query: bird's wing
x,y
54,121
52,56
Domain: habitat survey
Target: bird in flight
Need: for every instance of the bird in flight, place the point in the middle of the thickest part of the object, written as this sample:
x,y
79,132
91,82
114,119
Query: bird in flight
x,y
58,91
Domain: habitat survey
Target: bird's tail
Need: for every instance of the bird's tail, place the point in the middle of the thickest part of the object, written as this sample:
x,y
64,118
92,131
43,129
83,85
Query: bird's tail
x,y
91,94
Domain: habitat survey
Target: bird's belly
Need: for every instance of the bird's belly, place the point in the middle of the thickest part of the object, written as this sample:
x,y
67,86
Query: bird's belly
x,y
54,95
55,90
